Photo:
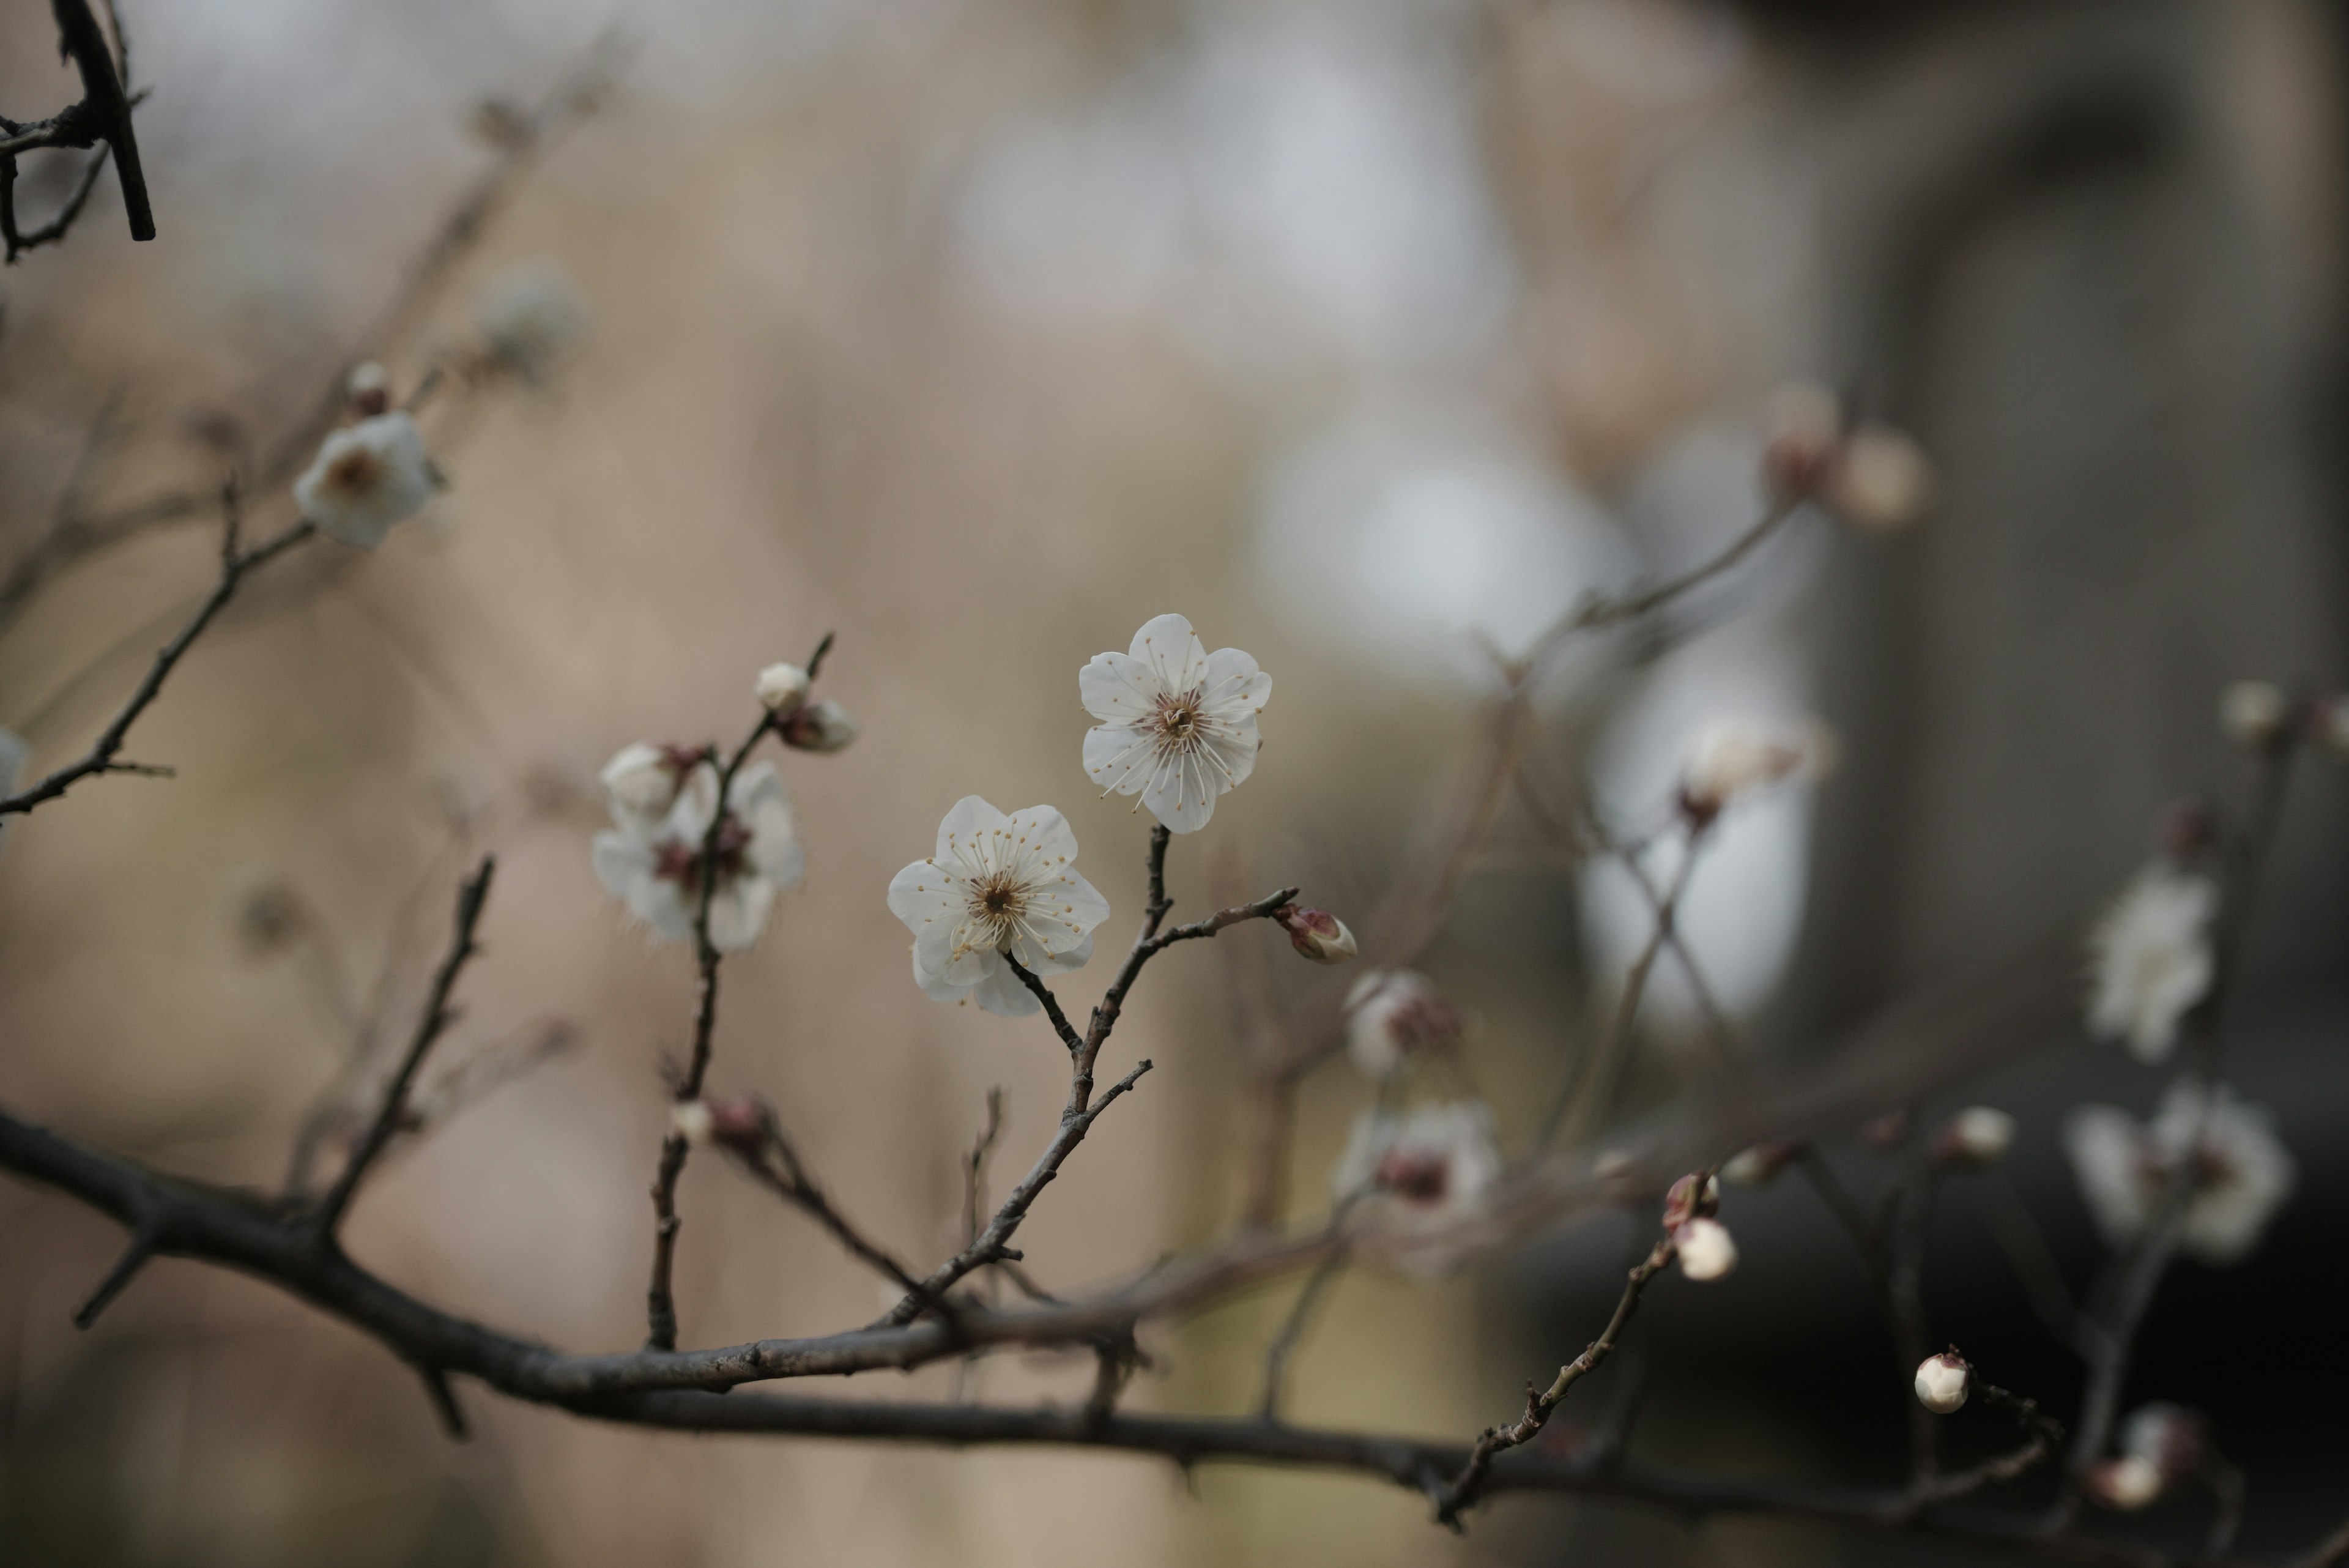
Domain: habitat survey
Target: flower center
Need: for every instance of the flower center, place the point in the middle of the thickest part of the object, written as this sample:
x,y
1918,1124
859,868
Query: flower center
x,y
1178,720
680,861
998,909
1421,1177
354,471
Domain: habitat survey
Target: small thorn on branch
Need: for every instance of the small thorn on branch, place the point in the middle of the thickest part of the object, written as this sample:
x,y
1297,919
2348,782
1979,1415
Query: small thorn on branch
x,y
444,1403
126,1268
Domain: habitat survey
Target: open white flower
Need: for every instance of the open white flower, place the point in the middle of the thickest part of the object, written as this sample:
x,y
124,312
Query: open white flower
x,y
2151,959
1437,1161
1177,723
532,317
2242,1171
1735,757
642,780
1394,1014
998,886
365,478
656,866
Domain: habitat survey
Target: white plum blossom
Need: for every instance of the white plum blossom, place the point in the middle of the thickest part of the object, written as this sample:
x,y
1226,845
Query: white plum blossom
x,y
2252,714
2242,1171
1436,1161
2125,1484
365,478
998,887
1178,724
782,689
1977,1136
1706,1249
1393,1015
1880,480
1943,1382
642,780
530,318
2150,959
656,866
1731,758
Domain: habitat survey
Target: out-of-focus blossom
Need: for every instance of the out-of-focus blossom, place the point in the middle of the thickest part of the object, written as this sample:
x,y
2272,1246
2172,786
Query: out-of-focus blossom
x,y
823,725
1879,480
530,318
1802,422
1437,1161
1733,758
2253,714
642,780
2126,1169
369,388
1178,725
1696,1196
2175,1440
365,478
741,1124
656,868
1317,934
998,887
1944,1382
1705,1249
2125,1484
2150,959
1393,1015
782,689
1756,1166
1977,1136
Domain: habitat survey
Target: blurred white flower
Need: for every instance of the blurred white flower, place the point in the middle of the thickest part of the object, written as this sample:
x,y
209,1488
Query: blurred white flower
x,y
2242,1171
1977,1136
998,886
530,318
2125,1484
782,689
1943,1382
1756,1167
2174,1439
365,478
2151,959
820,726
2252,714
656,867
1730,758
691,1120
642,780
1706,1249
369,388
1178,724
1392,1014
1880,481
1437,1161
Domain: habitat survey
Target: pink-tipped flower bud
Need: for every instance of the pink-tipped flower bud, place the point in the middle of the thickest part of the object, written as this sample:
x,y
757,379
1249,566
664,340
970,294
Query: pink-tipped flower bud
x,y
1802,425
1977,1137
2175,1439
1706,1249
1943,1382
782,689
368,389
1880,480
2254,714
1692,1196
822,726
2125,1484
1315,934
1756,1166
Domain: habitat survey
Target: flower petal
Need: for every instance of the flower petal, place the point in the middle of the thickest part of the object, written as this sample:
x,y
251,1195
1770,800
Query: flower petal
x,y
1119,757
922,895
1119,686
1235,681
966,824
1004,994
1171,649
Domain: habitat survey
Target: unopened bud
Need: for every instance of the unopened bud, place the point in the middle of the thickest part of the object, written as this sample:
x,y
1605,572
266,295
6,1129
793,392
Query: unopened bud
x,y
1943,1382
2127,1483
1801,426
822,726
368,389
691,1120
738,1124
1706,1249
782,689
1880,480
1692,1196
1731,758
1755,1165
2252,714
643,779
1977,1136
1317,934
2173,1438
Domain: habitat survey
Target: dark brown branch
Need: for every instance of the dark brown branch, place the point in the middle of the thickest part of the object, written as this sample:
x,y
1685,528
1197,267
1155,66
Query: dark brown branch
x,y
103,115
471,894
1044,993
2041,1438
444,1403
103,756
1476,1474
794,1185
135,1257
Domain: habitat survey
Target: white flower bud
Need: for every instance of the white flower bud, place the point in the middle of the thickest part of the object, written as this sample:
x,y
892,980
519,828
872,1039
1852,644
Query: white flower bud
x,y
1977,1136
692,1121
1943,1382
1801,425
643,780
782,689
367,478
1731,758
1706,1249
1881,481
1754,1167
1317,934
821,726
2125,1484
369,388
2252,714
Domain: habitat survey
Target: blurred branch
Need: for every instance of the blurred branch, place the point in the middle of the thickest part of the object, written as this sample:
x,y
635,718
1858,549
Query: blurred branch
x,y
102,115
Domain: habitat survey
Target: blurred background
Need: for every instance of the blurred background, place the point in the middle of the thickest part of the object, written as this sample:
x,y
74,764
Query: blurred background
x,y
1369,334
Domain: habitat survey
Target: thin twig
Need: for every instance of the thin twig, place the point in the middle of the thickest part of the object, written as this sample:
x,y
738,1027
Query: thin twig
x,y
1284,1343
